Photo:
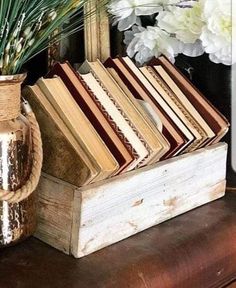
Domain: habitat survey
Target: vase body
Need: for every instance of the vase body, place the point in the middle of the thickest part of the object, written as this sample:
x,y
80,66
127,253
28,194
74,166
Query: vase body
x,y
17,221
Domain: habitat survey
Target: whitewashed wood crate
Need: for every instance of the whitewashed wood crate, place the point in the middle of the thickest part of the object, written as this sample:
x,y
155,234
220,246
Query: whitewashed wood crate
x,y
80,221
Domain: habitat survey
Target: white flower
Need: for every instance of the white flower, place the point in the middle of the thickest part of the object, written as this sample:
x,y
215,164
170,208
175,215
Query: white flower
x,y
152,42
126,12
217,33
129,35
184,23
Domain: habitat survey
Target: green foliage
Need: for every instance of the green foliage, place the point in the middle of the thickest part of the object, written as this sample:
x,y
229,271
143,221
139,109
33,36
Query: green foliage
x,y
27,27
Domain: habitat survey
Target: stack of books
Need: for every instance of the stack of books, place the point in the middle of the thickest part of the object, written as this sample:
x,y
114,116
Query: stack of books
x,y
107,119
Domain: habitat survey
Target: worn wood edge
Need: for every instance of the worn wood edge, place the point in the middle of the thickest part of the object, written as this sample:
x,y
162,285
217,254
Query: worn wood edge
x,y
75,222
219,146
104,35
57,181
76,194
212,160
96,32
231,189
216,192
55,200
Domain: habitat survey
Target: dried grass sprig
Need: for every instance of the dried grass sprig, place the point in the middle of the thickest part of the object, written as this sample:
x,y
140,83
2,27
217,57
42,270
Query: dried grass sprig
x,y
27,27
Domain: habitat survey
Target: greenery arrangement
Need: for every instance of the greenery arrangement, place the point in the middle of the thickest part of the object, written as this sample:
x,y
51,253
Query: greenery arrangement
x,y
27,27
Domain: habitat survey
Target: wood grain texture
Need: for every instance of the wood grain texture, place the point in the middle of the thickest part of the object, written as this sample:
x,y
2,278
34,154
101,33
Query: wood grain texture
x,y
96,31
55,212
126,205
101,214
194,250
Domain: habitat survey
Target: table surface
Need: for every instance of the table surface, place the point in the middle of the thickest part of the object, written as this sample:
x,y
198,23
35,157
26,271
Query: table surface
x,y
194,250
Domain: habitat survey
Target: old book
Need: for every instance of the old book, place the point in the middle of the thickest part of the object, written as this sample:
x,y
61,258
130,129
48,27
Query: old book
x,y
180,110
173,134
154,124
131,112
190,145
117,118
64,158
61,99
178,96
217,122
86,100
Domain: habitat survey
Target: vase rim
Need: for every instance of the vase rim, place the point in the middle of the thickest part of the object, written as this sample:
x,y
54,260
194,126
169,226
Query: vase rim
x,y
13,78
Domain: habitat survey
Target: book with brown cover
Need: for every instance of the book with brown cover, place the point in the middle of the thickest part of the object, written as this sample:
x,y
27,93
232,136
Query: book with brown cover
x,y
192,141
181,100
147,112
86,101
135,118
173,134
177,106
116,117
214,118
63,157
74,118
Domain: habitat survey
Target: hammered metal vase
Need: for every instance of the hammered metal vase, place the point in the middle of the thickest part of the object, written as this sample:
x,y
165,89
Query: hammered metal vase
x,y
17,221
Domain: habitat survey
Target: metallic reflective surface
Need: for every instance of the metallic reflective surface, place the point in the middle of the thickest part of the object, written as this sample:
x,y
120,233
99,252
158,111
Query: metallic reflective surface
x,y
17,221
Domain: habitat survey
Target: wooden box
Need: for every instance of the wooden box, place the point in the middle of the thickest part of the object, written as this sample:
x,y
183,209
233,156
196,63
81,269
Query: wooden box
x,y
79,221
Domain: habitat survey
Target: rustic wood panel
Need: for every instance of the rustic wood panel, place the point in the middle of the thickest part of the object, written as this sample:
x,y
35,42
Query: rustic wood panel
x,y
55,212
83,220
129,204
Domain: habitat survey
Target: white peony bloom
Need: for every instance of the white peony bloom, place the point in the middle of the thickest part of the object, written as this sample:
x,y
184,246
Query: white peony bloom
x,y
217,33
129,35
152,42
192,50
126,12
185,23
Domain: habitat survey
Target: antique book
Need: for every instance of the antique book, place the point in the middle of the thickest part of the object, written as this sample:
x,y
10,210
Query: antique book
x,y
183,113
151,117
88,103
173,134
61,99
59,145
191,144
178,96
146,136
117,118
217,122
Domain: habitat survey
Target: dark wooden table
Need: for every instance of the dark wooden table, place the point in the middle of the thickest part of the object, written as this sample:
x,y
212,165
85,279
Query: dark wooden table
x,y
195,250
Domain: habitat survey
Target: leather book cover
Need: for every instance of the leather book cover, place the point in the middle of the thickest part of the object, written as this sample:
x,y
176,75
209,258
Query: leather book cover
x,y
191,133
217,122
117,117
170,130
84,98
77,122
191,112
63,156
130,112
177,106
157,99
150,116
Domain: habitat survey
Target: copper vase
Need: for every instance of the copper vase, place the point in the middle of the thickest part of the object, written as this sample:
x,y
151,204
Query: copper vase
x,y
17,221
